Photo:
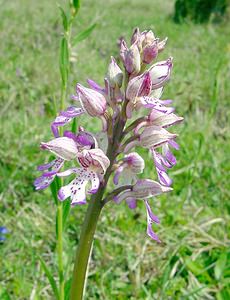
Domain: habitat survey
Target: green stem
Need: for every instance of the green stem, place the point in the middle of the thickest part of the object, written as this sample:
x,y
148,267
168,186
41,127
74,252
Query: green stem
x,y
60,221
60,206
85,244
60,251
91,218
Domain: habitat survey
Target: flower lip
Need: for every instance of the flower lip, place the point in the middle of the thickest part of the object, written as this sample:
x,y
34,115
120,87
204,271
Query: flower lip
x,y
94,159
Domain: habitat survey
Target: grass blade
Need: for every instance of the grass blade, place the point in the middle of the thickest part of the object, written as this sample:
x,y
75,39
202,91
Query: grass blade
x,y
50,277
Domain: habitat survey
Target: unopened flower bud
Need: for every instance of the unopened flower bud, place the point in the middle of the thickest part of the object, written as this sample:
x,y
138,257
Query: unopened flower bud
x,y
135,36
147,37
92,101
139,86
131,58
150,52
115,75
160,73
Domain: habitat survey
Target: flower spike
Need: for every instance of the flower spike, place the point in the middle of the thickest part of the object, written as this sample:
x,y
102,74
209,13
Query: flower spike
x,y
134,115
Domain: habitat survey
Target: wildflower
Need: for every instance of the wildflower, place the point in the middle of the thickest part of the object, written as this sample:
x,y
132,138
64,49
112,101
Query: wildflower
x,y
139,86
160,73
130,165
158,118
65,148
3,232
93,166
143,190
151,137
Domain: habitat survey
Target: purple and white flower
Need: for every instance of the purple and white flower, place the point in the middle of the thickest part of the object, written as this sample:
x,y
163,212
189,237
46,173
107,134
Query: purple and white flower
x,y
160,73
94,164
65,148
131,165
143,190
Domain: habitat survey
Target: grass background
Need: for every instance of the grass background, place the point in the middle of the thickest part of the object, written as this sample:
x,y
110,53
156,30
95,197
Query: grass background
x,y
192,260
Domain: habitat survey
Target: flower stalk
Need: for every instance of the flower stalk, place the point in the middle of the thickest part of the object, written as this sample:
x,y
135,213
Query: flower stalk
x,y
65,50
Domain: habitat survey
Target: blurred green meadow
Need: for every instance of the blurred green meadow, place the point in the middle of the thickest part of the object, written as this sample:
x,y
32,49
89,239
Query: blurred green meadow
x,y
192,262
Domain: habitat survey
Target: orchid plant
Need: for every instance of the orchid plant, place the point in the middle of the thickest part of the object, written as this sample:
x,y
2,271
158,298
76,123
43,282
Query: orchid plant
x,y
106,164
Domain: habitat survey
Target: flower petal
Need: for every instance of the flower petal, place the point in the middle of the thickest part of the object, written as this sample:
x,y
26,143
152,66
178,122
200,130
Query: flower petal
x,y
117,174
65,117
132,202
150,219
153,103
76,189
43,182
72,112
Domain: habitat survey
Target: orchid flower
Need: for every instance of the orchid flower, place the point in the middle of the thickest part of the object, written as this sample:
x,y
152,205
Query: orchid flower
x,y
143,190
130,165
65,148
94,164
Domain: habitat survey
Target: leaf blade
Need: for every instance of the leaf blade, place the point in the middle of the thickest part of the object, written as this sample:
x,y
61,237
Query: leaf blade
x,y
64,60
83,34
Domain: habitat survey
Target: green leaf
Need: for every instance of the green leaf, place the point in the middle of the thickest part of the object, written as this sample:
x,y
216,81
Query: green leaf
x,y
220,266
67,289
64,60
64,18
50,277
83,35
